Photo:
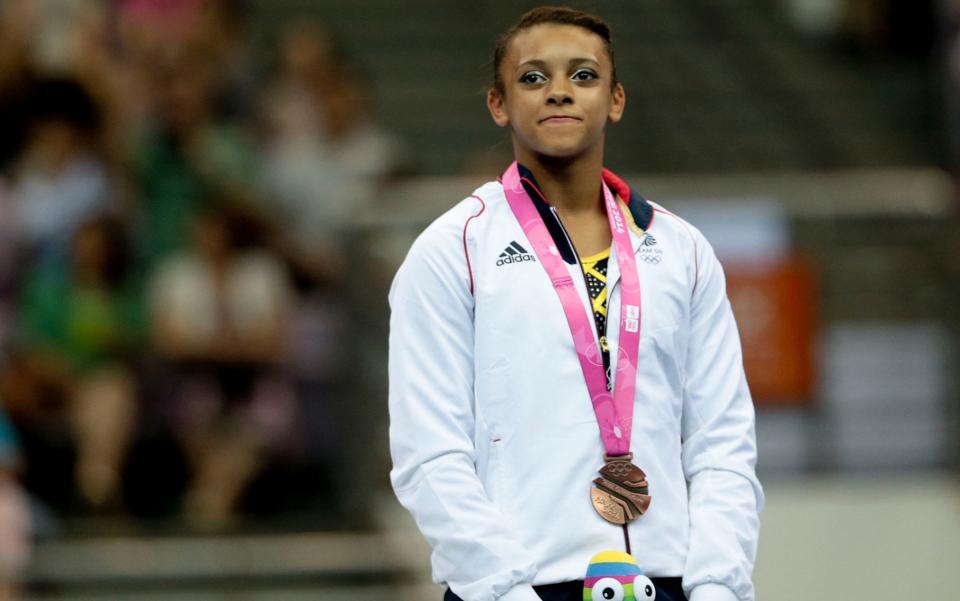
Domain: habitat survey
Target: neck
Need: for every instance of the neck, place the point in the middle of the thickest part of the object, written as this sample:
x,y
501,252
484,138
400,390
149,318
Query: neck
x,y
572,187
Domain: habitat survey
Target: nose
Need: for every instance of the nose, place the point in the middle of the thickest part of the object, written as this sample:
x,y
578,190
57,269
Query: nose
x,y
559,94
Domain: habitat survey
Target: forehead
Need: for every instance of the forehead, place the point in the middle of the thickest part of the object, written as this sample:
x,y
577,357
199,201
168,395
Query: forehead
x,y
554,41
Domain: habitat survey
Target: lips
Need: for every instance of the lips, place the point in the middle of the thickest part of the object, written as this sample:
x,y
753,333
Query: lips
x,y
560,119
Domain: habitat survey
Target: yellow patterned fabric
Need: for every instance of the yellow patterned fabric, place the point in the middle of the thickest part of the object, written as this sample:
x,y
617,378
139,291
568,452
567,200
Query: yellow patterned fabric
x,y
595,274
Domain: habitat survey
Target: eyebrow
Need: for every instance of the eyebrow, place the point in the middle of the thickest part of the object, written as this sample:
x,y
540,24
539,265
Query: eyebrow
x,y
543,65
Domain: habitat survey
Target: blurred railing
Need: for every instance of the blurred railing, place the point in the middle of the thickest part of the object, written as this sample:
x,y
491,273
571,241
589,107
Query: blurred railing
x,y
291,566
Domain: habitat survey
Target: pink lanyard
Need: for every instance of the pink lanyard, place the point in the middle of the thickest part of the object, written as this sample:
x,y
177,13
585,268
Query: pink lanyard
x,y
614,412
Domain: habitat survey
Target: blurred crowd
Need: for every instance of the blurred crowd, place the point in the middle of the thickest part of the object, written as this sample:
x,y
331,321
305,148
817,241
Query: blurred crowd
x,y
174,211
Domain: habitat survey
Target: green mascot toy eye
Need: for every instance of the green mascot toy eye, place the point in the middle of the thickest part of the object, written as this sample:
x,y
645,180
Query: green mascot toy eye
x,y
615,576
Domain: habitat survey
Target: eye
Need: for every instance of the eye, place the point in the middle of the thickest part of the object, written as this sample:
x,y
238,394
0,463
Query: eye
x,y
607,589
584,75
643,589
533,77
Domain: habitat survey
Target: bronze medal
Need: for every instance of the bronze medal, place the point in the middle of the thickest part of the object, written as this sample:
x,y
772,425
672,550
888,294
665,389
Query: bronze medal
x,y
620,495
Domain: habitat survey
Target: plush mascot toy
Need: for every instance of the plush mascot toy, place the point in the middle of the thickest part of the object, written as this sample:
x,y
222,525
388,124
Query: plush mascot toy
x,y
615,576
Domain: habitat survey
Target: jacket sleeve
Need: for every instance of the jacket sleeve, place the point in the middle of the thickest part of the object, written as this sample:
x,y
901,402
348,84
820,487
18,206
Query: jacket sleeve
x,y
718,446
431,398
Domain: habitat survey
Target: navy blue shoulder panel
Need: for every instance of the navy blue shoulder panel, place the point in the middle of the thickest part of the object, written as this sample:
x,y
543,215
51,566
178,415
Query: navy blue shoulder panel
x,y
640,209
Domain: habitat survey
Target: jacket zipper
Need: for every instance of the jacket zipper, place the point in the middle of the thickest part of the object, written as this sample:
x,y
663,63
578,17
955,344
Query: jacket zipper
x,y
601,336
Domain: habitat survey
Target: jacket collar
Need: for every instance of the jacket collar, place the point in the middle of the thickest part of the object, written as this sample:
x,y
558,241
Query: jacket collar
x,y
640,209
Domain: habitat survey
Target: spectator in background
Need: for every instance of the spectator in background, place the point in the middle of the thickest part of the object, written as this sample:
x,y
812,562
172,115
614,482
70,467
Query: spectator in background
x,y
296,160
14,515
219,316
16,77
325,157
362,148
306,57
189,154
71,39
147,26
79,327
144,26
223,25
61,178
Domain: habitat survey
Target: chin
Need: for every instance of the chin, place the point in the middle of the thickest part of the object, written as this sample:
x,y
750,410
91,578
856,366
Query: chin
x,y
557,149
562,153
569,148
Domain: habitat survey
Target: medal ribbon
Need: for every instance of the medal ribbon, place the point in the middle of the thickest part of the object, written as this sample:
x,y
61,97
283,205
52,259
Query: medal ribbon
x,y
614,412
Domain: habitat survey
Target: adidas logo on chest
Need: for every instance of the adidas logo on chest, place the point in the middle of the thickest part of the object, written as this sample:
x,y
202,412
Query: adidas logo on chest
x,y
514,253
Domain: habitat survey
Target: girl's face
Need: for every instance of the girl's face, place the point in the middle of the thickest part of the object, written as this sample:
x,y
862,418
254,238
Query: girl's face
x,y
557,96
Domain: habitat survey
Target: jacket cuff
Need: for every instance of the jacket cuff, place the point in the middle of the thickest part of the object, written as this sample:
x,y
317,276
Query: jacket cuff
x,y
712,592
521,592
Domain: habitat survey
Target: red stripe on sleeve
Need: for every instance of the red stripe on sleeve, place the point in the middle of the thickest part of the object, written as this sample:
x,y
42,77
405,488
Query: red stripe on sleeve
x,y
466,254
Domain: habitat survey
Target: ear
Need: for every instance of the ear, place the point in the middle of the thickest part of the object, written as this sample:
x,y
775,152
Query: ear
x,y
496,107
618,102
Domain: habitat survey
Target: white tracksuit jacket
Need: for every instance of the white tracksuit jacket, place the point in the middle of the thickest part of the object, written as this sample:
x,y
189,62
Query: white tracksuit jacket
x,y
492,433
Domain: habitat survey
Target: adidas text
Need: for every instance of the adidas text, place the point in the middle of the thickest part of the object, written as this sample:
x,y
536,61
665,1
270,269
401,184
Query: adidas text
x,y
514,259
